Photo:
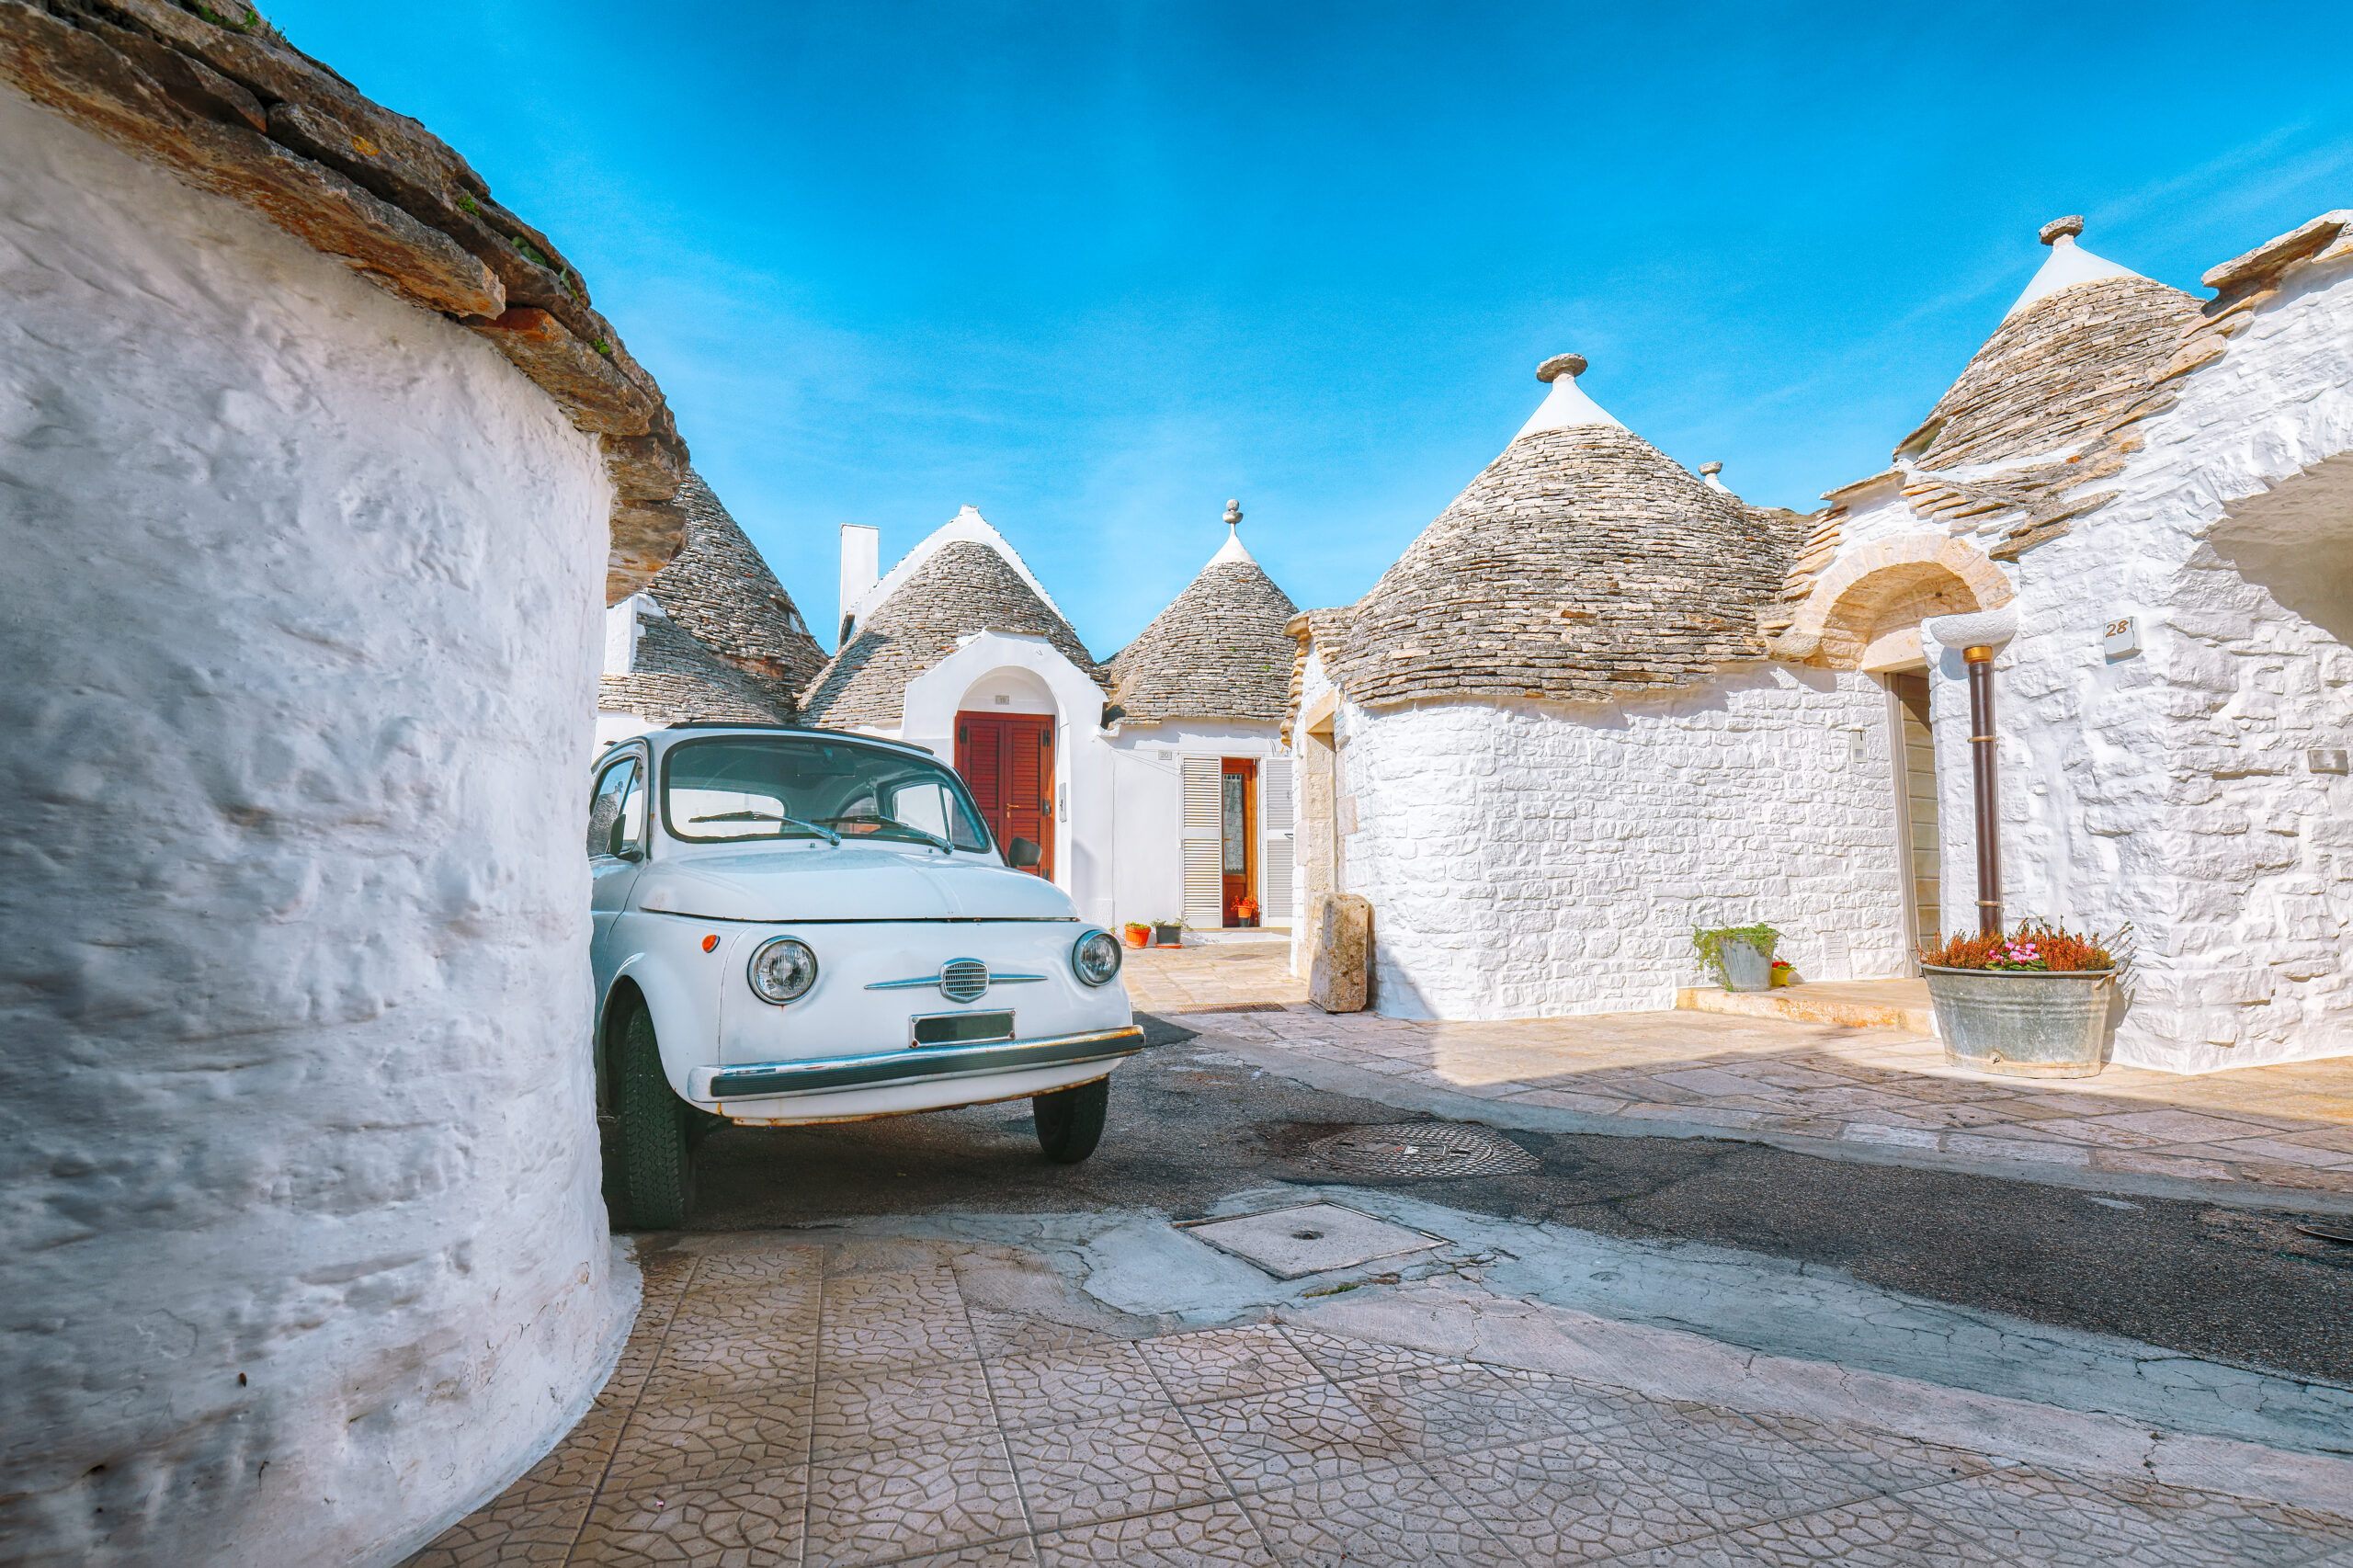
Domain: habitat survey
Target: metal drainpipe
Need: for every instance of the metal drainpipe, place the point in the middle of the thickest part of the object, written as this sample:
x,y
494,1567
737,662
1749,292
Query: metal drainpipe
x,y
1982,763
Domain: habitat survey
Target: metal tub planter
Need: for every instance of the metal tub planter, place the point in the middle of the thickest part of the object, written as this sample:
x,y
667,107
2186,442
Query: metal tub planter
x,y
2028,1023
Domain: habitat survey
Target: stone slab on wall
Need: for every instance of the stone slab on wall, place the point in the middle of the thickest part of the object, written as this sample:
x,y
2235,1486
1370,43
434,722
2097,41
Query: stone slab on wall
x,y
305,1248
1528,859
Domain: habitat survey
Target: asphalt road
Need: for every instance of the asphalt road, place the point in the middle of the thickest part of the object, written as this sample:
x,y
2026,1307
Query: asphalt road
x,y
1184,1134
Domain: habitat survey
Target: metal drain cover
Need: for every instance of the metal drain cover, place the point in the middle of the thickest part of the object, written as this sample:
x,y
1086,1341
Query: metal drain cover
x,y
1423,1149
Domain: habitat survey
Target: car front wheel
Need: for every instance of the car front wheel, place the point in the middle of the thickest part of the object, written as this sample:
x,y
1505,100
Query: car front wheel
x,y
657,1166
1070,1121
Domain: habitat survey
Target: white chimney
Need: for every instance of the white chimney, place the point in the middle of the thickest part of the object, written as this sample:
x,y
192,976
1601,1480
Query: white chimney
x,y
861,568
622,628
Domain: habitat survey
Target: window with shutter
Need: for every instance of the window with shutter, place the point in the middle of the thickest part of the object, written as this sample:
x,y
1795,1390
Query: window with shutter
x,y
1277,813
1202,833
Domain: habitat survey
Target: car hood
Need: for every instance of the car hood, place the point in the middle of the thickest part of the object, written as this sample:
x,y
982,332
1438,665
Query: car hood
x,y
801,881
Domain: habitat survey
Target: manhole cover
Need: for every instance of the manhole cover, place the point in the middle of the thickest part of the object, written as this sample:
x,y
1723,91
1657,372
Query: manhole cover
x,y
1423,1149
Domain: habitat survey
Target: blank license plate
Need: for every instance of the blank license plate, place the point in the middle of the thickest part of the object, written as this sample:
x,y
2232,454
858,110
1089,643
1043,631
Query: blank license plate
x,y
963,1029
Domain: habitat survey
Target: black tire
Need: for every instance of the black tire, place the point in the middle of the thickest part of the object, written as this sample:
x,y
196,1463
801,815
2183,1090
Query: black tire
x,y
1070,1121
657,1162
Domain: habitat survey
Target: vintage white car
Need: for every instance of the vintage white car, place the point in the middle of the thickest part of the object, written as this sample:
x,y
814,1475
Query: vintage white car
x,y
803,926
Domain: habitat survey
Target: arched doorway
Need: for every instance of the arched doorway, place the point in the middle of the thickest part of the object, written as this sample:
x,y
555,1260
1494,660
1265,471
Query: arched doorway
x,y
1005,727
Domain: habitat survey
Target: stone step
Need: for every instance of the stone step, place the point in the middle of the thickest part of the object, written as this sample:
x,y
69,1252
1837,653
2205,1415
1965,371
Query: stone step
x,y
1858,1003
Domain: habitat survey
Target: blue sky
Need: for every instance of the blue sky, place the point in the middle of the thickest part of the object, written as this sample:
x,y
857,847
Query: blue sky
x,y
1095,267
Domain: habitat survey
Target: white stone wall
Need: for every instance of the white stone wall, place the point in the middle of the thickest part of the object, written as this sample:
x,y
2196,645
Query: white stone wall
x,y
1148,806
2174,790
1529,860
305,1252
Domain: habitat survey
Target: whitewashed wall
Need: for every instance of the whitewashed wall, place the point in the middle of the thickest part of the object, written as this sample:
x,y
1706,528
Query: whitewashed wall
x,y
1148,825
305,1253
2174,790
1531,860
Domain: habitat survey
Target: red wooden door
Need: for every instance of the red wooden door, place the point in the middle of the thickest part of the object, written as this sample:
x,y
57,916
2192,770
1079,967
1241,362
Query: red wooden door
x,y
1007,760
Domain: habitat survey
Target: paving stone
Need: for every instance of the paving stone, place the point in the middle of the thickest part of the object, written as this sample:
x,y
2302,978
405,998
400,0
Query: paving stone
x,y
1876,1533
1341,1358
2038,1514
1565,1500
752,1520
889,1321
924,1405
892,1502
750,1357
1394,1517
1143,1463
1886,1461
997,1332
515,1531
1213,1533
705,1437
1093,1381
1222,1363
1454,1410
1292,1435
1727,1472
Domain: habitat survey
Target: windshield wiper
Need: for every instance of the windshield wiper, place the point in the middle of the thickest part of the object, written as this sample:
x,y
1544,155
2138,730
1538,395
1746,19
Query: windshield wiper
x,y
827,833
925,834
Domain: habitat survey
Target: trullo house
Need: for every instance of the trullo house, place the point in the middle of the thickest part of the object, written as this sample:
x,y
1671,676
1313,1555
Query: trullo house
x,y
1599,701
1548,741
1157,786
332,470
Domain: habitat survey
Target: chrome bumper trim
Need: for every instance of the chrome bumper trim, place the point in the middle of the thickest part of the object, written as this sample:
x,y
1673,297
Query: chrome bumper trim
x,y
771,1080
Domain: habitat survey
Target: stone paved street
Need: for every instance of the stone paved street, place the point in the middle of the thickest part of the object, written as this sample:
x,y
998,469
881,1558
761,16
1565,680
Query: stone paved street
x,y
899,1401
911,1341
1806,1086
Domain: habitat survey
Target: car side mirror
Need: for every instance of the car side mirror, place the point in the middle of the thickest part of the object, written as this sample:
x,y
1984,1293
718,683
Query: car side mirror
x,y
1023,854
617,842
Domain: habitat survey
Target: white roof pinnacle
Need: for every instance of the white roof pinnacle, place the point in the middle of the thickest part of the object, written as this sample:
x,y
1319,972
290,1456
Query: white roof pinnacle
x,y
1566,408
1232,549
1708,472
2068,265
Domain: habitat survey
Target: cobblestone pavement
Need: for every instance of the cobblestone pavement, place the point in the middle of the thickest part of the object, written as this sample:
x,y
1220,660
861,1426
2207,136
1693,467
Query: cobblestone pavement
x,y
2287,1126
783,1403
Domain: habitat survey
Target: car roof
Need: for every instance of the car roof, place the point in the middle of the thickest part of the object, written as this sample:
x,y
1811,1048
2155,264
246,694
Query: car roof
x,y
697,729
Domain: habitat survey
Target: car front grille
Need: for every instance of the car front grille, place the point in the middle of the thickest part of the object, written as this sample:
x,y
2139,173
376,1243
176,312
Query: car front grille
x,y
963,979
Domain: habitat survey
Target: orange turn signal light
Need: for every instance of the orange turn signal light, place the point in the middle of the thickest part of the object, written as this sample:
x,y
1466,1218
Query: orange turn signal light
x,y
710,944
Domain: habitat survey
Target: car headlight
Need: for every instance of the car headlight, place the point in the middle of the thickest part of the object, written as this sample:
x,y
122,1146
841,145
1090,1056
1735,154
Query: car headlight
x,y
782,969
1095,957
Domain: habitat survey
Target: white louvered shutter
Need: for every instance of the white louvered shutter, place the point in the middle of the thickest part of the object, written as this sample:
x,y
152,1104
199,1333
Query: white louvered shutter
x,y
1275,860
1204,824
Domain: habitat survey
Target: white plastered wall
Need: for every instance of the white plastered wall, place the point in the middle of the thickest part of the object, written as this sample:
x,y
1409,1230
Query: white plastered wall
x,y
987,662
1527,859
2174,790
1148,763
306,1255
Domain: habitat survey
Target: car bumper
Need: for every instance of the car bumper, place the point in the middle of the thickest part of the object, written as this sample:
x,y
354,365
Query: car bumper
x,y
835,1074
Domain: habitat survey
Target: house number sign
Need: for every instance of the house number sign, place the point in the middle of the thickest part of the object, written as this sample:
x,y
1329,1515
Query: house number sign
x,y
2121,637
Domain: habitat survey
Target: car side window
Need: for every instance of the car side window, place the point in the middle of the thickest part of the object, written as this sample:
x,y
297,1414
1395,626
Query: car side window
x,y
616,811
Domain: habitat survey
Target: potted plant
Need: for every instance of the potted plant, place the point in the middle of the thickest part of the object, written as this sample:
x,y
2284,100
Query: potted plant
x,y
1245,911
1136,932
2032,1004
1166,933
1783,974
1740,957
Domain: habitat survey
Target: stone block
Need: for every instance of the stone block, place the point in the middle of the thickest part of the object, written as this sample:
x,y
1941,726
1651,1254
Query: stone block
x,y
1336,980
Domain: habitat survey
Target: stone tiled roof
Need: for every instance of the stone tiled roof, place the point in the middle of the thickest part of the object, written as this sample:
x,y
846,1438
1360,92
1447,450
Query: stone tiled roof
x,y
1584,565
720,589
674,679
2055,374
965,588
212,93
1219,652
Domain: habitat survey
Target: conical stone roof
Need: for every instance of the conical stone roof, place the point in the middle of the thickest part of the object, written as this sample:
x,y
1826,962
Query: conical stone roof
x,y
2079,348
1218,652
720,590
1583,565
673,678
965,587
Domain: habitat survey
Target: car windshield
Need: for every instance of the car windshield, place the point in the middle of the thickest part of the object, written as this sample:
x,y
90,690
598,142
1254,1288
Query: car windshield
x,y
733,788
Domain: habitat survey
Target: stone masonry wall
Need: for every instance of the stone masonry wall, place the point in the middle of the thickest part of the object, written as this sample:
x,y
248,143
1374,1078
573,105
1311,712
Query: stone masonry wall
x,y
1527,859
2175,790
305,1250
